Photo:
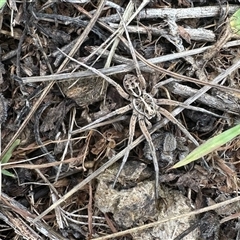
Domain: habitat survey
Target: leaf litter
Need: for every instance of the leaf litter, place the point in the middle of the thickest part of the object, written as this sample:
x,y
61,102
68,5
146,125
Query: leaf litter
x,y
29,55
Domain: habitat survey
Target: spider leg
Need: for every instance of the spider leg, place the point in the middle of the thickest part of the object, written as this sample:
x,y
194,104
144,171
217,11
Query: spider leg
x,y
137,67
176,103
153,152
175,121
132,126
109,115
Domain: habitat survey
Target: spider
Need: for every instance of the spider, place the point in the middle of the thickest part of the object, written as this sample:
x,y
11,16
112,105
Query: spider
x,y
144,108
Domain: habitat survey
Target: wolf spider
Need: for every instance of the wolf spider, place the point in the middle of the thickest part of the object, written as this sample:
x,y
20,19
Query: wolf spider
x,y
144,108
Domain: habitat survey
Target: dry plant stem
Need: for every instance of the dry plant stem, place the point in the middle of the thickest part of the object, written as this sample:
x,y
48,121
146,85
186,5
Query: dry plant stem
x,y
45,180
126,15
40,166
105,53
231,217
57,210
114,5
54,195
85,33
67,48
135,62
216,80
70,216
20,227
68,142
169,16
162,70
214,102
90,209
199,34
216,11
150,225
180,13
24,213
159,69
137,141
173,36
208,55
181,77
117,34
128,67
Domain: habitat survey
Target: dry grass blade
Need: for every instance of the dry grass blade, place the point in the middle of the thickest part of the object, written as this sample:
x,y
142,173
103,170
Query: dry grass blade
x,y
84,34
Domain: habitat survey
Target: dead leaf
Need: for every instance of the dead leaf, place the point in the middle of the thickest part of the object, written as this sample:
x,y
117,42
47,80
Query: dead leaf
x,y
183,33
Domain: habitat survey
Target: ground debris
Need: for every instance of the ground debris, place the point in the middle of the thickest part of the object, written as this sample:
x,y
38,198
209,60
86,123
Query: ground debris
x,y
135,205
72,121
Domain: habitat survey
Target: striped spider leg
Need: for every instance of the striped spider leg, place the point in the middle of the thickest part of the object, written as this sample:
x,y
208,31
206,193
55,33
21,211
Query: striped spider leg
x,y
95,123
128,107
143,111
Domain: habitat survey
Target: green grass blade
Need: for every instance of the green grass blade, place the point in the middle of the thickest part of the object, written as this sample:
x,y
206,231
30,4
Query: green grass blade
x,y
235,22
2,3
8,154
7,173
209,146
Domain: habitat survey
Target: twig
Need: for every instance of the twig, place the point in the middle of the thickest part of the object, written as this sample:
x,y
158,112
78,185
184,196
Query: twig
x,y
20,210
179,13
198,34
157,68
120,68
126,16
211,101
